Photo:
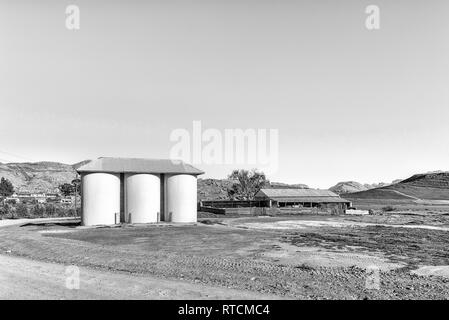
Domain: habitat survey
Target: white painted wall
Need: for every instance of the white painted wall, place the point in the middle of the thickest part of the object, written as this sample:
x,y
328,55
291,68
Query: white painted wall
x,y
100,198
181,198
357,212
143,197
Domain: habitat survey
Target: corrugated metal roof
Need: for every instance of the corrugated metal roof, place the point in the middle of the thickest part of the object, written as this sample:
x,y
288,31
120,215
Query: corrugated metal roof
x,y
312,199
136,165
284,193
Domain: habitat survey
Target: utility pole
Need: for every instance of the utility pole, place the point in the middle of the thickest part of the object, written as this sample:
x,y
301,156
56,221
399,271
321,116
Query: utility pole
x,y
76,191
75,182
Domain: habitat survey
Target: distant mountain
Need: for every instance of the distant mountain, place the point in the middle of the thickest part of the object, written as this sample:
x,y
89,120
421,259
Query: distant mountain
x,y
280,185
375,185
426,186
37,176
354,186
348,187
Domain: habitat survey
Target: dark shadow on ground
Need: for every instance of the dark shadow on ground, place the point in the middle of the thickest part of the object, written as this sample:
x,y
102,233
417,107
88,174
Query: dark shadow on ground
x,y
69,224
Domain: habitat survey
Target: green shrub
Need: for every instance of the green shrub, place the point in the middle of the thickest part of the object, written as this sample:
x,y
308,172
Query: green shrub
x,y
388,209
28,210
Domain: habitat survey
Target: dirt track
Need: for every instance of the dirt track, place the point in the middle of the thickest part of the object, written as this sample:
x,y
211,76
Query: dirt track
x,y
26,279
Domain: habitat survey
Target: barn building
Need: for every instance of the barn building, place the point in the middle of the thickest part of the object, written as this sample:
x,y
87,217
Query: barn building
x,y
301,197
128,190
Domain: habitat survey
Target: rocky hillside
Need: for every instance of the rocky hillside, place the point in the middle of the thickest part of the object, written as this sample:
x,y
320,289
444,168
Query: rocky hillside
x,y
37,176
213,189
426,186
354,186
280,185
348,187
434,180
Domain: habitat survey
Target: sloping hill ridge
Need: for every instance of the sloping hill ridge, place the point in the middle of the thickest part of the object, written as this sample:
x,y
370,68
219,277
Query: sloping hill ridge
x,y
427,186
37,176
354,186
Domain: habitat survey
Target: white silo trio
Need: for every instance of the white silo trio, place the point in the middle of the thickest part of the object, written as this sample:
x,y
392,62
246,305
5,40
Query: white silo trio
x,y
128,190
100,198
142,198
181,198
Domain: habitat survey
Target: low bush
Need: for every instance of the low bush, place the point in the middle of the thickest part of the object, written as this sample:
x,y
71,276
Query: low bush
x,y
21,211
28,210
5,211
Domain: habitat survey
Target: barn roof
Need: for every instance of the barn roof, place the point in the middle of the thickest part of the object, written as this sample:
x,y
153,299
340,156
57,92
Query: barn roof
x,y
300,195
138,165
285,193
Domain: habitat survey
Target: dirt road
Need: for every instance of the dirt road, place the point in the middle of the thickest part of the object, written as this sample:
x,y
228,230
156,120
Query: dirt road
x,y
26,279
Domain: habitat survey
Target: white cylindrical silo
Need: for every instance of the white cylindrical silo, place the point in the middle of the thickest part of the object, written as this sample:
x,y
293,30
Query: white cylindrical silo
x,y
180,198
100,198
142,197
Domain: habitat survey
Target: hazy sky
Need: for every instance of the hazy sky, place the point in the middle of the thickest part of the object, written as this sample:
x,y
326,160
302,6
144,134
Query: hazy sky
x,y
349,103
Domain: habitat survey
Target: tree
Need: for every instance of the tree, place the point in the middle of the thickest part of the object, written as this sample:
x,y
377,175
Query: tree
x,y
6,187
67,189
247,184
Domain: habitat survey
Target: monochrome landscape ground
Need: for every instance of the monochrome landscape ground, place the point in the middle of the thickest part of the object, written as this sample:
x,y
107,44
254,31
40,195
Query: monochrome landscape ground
x,y
299,257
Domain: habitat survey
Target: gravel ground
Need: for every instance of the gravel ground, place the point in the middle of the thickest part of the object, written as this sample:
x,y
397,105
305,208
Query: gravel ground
x,y
236,258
